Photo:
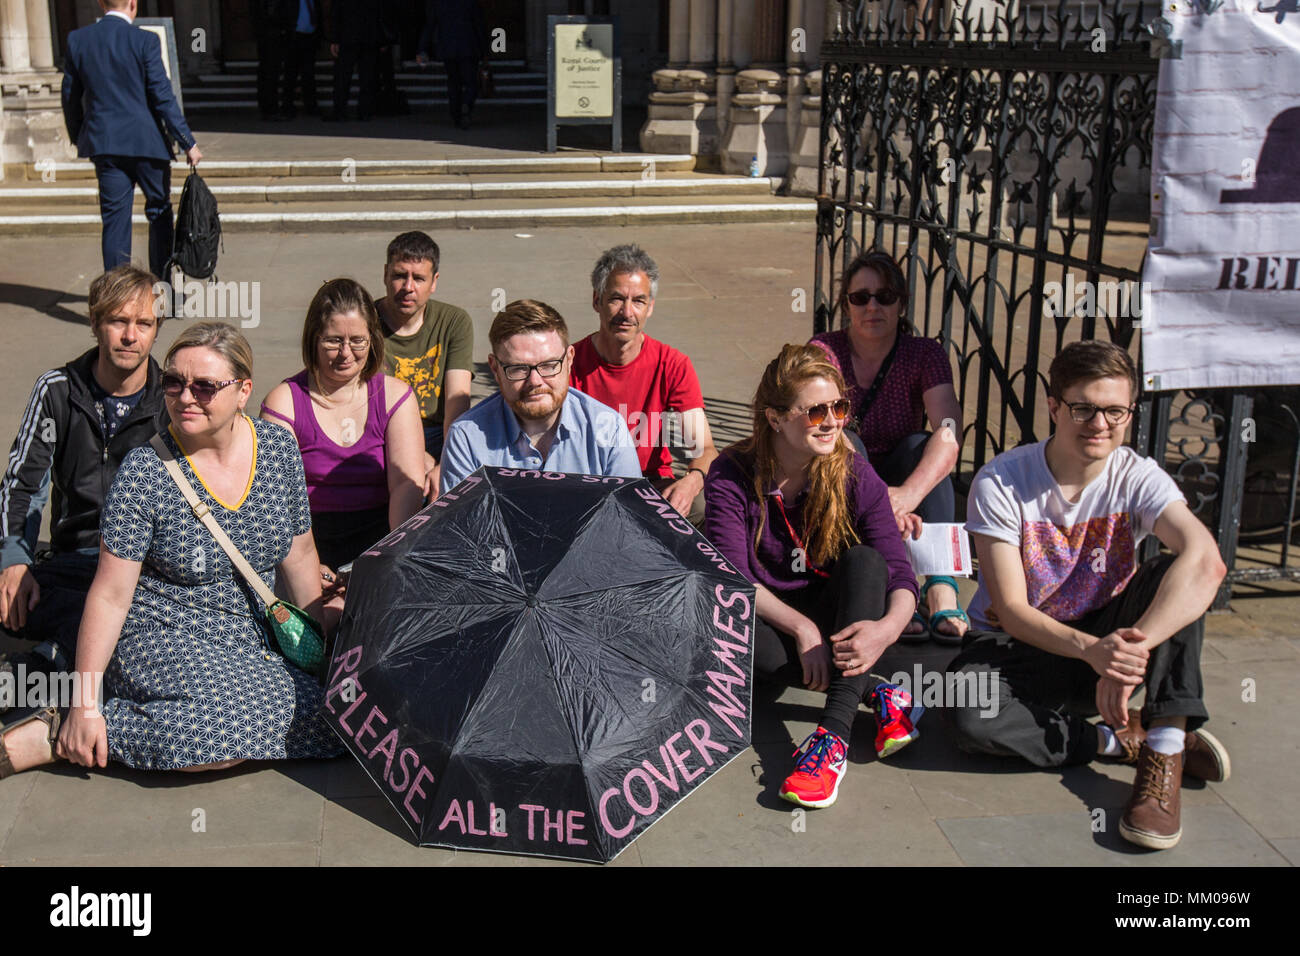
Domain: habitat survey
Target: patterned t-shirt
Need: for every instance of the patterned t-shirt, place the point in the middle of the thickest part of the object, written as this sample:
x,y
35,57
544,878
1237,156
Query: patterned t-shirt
x,y
1077,555
898,409
113,410
445,341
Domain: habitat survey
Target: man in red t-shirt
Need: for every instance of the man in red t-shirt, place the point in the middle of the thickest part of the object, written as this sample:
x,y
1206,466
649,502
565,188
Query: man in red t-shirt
x,y
653,386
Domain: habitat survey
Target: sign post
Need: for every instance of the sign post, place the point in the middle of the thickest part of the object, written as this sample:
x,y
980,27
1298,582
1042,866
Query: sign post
x,y
584,85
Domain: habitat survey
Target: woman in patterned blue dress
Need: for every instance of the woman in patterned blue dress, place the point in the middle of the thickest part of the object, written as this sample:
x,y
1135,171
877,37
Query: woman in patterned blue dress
x,y
177,636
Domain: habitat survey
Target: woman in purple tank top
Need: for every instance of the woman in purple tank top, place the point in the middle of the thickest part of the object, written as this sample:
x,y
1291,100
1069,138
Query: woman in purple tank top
x,y
359,433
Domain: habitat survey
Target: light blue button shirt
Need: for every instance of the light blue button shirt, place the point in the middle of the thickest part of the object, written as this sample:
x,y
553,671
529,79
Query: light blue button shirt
x,y
592,439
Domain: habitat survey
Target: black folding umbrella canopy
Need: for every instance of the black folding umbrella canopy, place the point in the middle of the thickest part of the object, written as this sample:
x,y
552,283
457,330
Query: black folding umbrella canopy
x,y
543,664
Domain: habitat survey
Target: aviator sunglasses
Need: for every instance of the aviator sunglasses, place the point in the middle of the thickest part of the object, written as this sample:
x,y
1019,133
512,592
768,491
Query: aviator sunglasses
x,y
862,297
817,413
202,389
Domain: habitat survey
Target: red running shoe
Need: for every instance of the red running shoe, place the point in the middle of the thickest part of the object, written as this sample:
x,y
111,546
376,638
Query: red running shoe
x,y
896,717
816,778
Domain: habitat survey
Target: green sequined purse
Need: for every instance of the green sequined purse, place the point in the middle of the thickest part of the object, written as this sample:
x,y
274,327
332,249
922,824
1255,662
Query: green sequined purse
x,y
298,636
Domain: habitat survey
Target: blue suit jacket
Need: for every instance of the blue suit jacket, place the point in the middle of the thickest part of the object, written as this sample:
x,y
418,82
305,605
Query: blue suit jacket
x,y
116,95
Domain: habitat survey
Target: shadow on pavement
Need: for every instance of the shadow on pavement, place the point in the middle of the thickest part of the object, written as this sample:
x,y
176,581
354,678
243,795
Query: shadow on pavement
x,y
46,301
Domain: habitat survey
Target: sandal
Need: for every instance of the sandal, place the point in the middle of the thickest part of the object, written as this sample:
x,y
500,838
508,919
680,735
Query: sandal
x,y
950,614
51,718
919,637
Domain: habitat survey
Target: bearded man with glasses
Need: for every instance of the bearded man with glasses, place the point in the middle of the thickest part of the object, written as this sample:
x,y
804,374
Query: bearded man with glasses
x,y
536,422
80,422
1069,624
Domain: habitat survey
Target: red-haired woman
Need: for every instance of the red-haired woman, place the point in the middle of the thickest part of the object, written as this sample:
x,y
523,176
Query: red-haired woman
x,y
806,519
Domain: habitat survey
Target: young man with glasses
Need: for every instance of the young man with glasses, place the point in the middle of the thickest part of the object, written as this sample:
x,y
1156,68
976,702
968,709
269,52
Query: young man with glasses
x,y
80,422
1068,622
536,421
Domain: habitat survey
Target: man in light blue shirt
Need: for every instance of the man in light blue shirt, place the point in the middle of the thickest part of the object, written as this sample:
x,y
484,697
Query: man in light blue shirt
x,y
536,422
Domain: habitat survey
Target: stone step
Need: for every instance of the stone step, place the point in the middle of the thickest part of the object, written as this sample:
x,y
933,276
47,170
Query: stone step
x,y
249,67
485,214
332,189
531,164
250,101
324,84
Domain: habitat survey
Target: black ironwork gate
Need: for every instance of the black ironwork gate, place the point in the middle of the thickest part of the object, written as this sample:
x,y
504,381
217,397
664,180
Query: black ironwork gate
x,y
995,147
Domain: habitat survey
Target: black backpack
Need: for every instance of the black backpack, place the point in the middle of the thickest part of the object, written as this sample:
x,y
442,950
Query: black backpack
x,y
198,231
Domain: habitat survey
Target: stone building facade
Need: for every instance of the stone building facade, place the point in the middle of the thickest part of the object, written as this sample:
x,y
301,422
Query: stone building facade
x,y
733,82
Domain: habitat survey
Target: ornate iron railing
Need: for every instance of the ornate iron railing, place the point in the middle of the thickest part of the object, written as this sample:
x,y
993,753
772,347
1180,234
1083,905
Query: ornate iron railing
x,y
993,148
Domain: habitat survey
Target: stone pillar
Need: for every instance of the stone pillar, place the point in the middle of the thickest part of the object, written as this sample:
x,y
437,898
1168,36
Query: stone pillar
x,y
726,81
13,36
769,36
679,34
683,117
40,41
704,32
805,155
757,127
31,112
742,33
795,52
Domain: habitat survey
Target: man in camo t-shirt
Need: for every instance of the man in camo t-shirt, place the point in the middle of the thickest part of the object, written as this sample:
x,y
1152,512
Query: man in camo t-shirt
x,y
427,344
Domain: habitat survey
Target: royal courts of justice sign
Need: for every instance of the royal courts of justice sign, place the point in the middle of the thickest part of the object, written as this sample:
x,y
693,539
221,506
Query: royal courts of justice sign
x,y
1224,254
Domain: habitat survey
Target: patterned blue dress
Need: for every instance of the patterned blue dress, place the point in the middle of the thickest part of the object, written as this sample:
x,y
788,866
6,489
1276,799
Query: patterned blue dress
x,y
192,680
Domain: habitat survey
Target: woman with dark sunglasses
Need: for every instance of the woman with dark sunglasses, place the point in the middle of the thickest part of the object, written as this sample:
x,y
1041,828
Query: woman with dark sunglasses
x,y
808,521
359,430
176,637
899,382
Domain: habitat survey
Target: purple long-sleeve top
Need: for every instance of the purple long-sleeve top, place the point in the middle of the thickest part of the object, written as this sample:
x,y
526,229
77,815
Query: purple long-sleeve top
x,y
731,518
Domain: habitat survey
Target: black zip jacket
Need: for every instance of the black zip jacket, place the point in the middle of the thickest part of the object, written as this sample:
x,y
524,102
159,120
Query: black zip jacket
x,y
61,433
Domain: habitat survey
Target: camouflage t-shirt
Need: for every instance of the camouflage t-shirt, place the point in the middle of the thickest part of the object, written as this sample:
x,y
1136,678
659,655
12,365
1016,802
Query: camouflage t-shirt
x,y
445,340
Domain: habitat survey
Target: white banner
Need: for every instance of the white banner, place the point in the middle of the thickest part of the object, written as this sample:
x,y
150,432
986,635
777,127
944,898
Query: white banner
x,y
1223,259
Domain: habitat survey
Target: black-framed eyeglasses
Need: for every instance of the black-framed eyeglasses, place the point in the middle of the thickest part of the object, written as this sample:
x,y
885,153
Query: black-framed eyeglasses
x,y
883,296
817,413
521,373
204,390
1083,412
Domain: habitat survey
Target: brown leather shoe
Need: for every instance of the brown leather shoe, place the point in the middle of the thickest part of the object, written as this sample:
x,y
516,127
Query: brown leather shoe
x,y
1151,818
1131,738
1205,758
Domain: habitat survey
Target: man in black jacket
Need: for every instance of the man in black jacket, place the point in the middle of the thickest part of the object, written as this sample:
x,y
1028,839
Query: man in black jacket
x,y
81,421
273,25
357,30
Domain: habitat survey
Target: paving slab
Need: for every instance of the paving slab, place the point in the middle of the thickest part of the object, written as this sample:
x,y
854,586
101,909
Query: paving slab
x,y
266,854
1212,836
742,822
71,812
1288,848
1262,741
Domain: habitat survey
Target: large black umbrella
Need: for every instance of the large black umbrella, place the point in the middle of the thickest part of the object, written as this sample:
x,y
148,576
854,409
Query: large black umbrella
x,y
542,663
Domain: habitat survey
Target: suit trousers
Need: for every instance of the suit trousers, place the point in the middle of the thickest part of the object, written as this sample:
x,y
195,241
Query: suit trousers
x,y
462,85
118,177
365,58
299,66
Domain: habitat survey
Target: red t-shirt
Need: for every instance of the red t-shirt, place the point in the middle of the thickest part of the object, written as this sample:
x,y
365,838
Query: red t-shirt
x,y
659,380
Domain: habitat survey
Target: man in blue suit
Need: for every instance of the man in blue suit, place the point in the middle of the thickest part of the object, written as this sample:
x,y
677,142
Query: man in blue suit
x,y
116,101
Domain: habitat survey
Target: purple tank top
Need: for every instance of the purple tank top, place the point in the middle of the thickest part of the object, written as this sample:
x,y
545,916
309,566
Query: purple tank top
x,y
343,478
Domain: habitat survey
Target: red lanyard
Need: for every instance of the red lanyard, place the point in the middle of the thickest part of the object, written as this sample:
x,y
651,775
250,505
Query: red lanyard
x,y
780,503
